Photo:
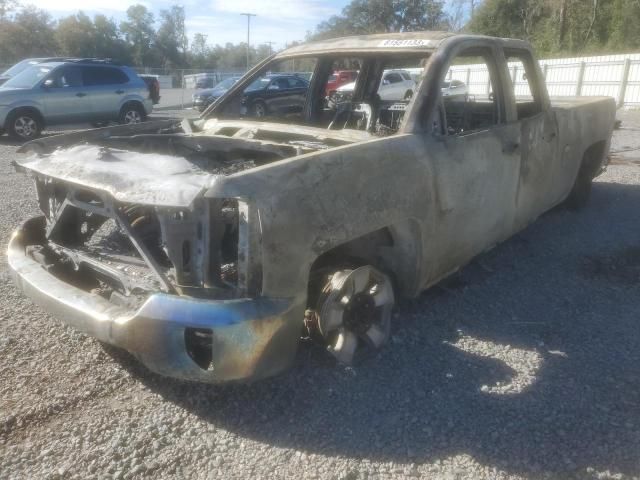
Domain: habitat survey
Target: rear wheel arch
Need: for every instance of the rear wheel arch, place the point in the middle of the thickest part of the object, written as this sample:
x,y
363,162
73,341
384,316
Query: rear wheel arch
x,y
589,168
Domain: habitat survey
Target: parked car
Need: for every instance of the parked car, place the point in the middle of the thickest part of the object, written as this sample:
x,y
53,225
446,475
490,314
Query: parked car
x,y
454,88
20,66
208,248
204,98
71,91
276,94
205,82
339,78
395,85
153,85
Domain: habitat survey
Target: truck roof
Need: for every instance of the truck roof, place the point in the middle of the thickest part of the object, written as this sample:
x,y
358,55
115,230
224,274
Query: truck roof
x,y
424,41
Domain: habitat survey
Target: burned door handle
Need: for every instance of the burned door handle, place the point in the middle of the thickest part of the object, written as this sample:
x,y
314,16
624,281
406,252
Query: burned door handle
x,y
510,147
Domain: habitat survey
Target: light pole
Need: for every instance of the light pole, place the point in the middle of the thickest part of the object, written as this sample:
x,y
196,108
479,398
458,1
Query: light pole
x,y
248,15
270,49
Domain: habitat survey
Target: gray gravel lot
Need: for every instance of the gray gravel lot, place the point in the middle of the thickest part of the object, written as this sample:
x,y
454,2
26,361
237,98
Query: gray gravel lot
x,y
524,365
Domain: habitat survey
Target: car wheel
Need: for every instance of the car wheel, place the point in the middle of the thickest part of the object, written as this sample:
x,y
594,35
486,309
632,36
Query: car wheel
x,y
259,110
131,114
24,125
354,310
408,94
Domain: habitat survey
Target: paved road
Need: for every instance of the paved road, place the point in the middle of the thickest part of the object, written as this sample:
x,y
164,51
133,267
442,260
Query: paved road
x,y
524,365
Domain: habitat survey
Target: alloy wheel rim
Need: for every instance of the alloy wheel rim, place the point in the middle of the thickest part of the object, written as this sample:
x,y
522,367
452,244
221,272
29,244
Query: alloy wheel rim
x,y
355,307
26,127
132,116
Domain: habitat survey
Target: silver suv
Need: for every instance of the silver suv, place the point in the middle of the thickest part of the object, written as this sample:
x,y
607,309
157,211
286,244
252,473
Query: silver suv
x,y
71,91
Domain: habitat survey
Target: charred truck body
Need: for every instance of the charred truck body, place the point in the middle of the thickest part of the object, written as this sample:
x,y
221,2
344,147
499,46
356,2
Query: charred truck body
x,y
208,247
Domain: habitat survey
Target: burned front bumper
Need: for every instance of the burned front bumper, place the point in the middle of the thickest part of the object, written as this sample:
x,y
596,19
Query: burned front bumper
x,y
247,338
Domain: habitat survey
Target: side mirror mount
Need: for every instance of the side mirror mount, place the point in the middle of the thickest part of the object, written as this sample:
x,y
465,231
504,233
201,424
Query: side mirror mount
x,y
48,83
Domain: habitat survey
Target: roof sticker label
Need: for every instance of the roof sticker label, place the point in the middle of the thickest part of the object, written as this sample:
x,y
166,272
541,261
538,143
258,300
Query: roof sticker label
x,y
417,42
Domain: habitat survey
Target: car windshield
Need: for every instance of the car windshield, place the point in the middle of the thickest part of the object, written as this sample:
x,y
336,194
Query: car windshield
x,y
19,67
259,84
29,77
226,84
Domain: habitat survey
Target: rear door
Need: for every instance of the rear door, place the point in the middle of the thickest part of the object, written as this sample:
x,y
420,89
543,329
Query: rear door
x,y
106,87
537,190
66,100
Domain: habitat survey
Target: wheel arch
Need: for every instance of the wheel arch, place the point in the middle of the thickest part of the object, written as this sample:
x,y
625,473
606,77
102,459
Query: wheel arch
x,y
394,249
593,159
132,101
28,108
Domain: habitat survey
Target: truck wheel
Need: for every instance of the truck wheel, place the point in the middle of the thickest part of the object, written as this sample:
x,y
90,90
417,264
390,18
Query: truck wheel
x,y
354,309
23,125
131,113
580,193
259,110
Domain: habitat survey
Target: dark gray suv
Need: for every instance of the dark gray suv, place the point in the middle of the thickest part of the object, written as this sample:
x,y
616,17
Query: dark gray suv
x,y
71,91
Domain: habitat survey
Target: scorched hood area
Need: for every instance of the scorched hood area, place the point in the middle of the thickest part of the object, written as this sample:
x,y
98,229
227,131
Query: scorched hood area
x,y
125,210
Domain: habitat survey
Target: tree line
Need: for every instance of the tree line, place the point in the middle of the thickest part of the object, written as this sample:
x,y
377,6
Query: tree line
x,y
141,39
146,39
560,27
555,27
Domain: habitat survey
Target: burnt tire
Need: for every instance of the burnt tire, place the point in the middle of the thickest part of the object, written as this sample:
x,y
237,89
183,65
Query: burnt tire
x,y
131,114
580,193
23,125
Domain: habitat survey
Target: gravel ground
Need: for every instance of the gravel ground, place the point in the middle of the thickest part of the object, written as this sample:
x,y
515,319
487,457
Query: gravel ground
x,y
524,365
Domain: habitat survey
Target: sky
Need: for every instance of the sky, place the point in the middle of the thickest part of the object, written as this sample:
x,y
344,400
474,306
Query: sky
x,y
280,21
277,21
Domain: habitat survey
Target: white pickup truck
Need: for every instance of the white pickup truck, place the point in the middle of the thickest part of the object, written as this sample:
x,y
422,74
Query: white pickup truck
x,y
208,248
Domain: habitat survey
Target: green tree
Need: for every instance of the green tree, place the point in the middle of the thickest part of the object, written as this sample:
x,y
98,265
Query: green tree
x,y
75,35
140,35
6,7
171,38
379,16
558,27
108,40
30,33
201,54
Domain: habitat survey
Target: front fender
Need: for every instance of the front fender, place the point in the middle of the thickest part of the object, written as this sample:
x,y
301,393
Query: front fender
x,y
8,106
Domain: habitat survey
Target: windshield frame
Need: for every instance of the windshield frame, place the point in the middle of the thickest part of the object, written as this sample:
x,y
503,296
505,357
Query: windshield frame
x,y
20,67
18,81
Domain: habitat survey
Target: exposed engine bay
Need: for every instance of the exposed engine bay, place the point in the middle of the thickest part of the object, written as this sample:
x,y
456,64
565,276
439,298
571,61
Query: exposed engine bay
x,y
126,211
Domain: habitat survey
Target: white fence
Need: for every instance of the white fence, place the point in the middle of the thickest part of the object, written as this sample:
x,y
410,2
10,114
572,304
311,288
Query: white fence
x,y
616,76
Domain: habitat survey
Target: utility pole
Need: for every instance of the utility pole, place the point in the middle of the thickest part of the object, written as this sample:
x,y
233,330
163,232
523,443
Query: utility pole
x,y
248,15
269,43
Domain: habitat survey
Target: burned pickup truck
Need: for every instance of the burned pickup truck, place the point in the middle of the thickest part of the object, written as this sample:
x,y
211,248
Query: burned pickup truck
x,y
207,248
